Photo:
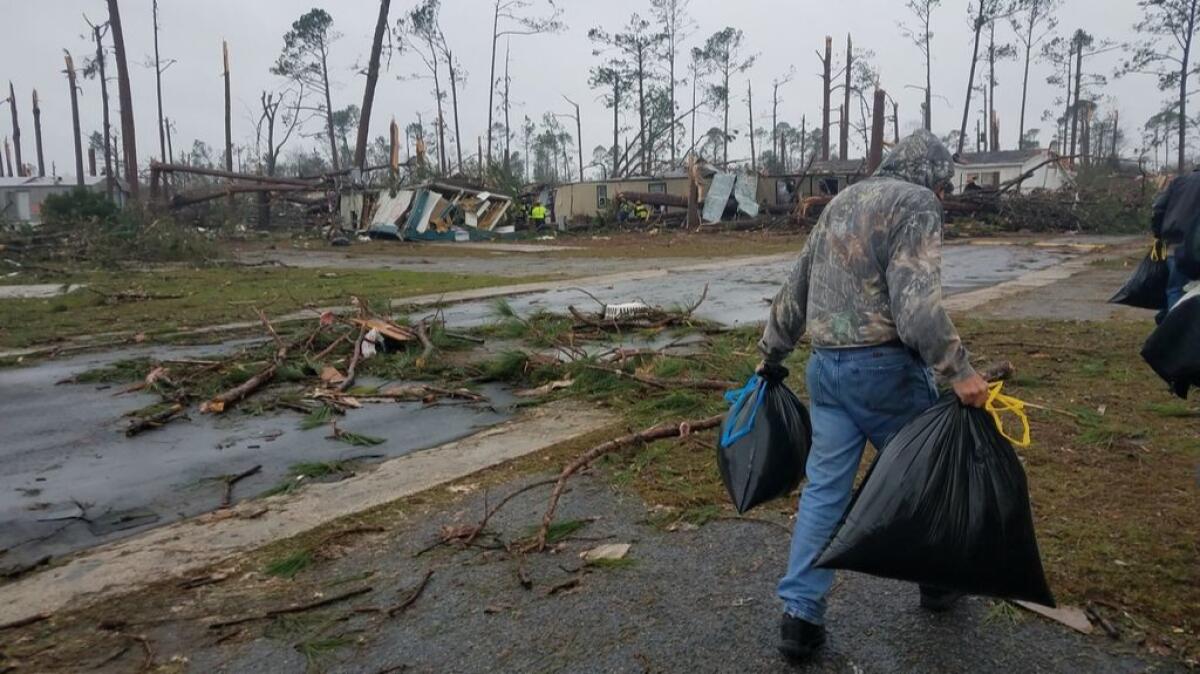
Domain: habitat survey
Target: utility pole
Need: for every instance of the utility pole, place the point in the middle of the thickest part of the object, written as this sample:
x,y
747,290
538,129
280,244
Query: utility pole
x,y
750,105
37,135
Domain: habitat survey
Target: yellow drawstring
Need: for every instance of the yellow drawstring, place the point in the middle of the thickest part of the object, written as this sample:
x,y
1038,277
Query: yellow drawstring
x,y
1158,251
997,403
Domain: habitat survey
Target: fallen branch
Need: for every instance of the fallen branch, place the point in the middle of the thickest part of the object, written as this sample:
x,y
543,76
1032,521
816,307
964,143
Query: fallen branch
x,y
487,515
295,608
412,597
156,420
660,432
231,480
354,357
222,401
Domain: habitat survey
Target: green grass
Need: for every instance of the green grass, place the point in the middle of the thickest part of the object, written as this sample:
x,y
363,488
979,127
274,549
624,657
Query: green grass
x,y
120,372
357,439
1003,612
289,566
300,474
316,649
1173,410
209,296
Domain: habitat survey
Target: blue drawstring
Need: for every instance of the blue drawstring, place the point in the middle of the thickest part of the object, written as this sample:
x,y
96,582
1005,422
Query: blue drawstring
x,y
732,433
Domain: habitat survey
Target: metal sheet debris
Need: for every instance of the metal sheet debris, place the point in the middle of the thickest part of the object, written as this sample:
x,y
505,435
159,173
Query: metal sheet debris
x,y
745,190
718,196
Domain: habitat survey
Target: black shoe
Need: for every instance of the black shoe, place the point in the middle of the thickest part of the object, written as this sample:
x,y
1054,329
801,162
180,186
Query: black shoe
x,y
799,639
938,600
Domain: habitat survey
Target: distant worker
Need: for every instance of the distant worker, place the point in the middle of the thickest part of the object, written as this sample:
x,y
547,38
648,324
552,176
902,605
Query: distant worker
x,y
641,212
537,215
972,186
867,290
1176,223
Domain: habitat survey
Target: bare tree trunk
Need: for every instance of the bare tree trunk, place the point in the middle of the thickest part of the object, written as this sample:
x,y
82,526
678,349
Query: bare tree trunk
x,y
844,132
37,134
695,76
962,131
228,117
994,142
441,119
8,159
162,132
108,155
75,120
775,145
454,103
578,135
896,122
364,118
1116,127
92,162
333,153
1184,73
507,128
878,121
492,80
1085,137
928,77
750,106
827,79
803,139
1075,108
170,149
1025,77
16,125
128,133
616,128
1066,125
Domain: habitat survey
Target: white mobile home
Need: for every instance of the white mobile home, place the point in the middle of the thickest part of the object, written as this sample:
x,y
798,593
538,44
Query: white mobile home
x,y
21,198
992,169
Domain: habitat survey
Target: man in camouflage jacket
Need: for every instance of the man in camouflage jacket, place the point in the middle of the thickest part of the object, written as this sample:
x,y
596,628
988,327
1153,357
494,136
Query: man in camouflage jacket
x,y
867,291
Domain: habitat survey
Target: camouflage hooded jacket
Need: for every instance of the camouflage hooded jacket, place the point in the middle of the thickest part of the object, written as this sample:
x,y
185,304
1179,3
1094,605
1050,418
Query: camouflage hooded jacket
x,y
870,272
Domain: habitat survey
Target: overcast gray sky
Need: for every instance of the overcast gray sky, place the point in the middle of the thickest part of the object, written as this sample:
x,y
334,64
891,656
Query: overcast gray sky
x,y
784,33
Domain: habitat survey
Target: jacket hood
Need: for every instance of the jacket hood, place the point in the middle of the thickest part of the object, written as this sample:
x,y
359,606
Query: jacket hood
x,y
920,159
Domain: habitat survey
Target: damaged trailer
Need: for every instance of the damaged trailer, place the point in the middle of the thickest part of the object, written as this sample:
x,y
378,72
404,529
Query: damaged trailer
x,y
439,211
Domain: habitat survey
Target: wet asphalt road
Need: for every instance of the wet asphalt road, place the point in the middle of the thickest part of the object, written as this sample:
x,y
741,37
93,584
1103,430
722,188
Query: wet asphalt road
x,y
690,601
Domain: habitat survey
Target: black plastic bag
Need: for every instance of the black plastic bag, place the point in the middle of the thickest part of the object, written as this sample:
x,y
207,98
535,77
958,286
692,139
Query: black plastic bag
x,y
945,504
1147,288
764,443
1173,349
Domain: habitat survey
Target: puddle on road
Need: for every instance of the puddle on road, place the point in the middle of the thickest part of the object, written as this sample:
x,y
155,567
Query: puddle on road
x,y
73,477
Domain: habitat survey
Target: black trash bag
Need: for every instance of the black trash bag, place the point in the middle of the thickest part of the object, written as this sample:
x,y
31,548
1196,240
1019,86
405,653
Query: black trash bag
x,y
1173,349
1147,288
764,442
945,504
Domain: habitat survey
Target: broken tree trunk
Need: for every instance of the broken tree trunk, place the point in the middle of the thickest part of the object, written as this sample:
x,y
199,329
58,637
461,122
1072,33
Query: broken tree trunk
x,y
37,135
750,106
75,118
979,23
158,71
249,177
108,157
92,162
128,133
875,157
16,129
364,119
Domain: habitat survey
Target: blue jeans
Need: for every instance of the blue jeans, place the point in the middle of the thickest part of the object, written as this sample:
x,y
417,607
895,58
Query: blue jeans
x,y
857,394
1175,283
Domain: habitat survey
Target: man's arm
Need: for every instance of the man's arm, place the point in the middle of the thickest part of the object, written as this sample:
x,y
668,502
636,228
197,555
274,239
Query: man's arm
x,y
914,280
789,312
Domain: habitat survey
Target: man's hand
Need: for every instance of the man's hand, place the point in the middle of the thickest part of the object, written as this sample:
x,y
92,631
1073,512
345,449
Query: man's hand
x,y
972,391
771,371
